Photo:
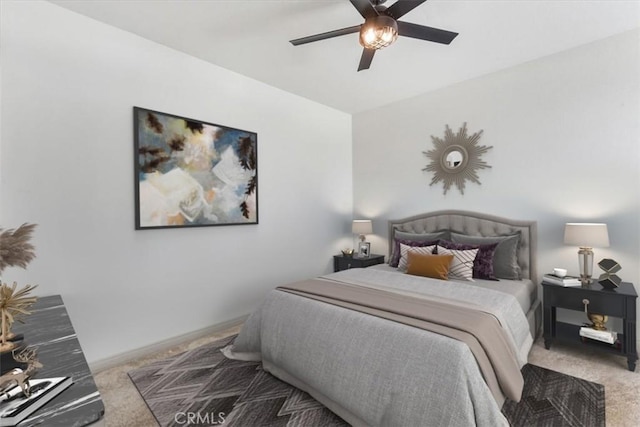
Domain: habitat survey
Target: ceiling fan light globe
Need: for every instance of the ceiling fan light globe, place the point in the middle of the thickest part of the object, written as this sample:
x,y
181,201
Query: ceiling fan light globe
x,y
379,33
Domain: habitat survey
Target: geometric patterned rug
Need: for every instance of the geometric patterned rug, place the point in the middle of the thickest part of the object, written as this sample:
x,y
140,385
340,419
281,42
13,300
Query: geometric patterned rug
x,y
550,399
202,387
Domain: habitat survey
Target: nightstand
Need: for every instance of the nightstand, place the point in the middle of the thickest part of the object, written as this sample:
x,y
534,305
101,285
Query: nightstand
x,y
341,262
619,302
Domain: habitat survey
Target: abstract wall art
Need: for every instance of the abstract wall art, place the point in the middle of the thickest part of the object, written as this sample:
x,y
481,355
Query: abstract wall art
x,y
190,173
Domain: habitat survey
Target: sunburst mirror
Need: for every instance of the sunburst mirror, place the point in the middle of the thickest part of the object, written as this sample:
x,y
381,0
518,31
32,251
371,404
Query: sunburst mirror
x,y
455,158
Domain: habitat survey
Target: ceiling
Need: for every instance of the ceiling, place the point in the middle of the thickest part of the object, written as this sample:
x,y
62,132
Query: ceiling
x,y
251,37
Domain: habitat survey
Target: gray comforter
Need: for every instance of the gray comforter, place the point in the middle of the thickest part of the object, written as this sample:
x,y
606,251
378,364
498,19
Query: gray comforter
x,y
372,371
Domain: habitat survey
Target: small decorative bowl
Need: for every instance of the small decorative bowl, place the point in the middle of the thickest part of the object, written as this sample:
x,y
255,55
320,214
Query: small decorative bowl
x,y
560,272
347,252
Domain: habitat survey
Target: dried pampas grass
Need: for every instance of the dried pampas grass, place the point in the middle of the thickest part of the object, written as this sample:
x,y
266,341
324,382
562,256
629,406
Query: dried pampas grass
x,y
15,249
13,304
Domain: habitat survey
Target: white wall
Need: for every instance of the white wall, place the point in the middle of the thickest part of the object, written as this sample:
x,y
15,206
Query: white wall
x,y
68,87
566,147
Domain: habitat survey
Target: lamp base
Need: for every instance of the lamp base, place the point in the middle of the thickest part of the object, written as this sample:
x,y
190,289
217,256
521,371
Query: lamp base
x,y
585,280
585,259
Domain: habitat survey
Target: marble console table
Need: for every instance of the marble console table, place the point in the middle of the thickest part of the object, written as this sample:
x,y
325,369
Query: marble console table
x,y
50,330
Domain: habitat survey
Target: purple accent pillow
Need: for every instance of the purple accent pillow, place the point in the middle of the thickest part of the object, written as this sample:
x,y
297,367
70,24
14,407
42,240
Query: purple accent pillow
x,y
395,258
483,264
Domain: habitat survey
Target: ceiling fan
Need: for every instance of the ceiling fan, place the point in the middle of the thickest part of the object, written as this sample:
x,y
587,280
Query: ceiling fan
x,y
381,28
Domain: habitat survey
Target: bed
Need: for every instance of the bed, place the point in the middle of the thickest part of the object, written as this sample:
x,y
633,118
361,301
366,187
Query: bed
x,y
378,346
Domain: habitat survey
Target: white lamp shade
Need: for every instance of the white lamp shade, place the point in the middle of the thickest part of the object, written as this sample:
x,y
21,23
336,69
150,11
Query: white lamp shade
x,y
362,226
588,235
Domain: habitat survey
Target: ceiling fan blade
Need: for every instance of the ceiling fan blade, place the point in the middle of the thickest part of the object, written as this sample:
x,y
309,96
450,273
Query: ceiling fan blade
x,y
327,35
425,33
401,8
366,58
365,8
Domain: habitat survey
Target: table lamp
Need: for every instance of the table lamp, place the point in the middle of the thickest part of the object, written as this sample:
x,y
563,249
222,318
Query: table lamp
x,y
362,227
586,236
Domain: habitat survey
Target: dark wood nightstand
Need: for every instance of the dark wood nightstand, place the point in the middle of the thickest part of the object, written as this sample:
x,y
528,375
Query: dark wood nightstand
x,y
341,262
619,302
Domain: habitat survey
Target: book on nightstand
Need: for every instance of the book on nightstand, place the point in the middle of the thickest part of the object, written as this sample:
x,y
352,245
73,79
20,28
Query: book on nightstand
x,y
562,281
603,336
15,406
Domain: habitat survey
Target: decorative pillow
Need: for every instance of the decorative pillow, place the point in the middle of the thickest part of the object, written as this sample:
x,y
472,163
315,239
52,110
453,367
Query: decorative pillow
x,y
462,264
505,260
435,266
395,257
483,264
404,249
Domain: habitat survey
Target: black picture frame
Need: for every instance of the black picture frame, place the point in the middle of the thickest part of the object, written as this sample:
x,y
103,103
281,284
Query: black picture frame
x,y
191,173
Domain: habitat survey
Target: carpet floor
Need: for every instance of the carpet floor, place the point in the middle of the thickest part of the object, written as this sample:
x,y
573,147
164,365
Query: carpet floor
x,y
204,383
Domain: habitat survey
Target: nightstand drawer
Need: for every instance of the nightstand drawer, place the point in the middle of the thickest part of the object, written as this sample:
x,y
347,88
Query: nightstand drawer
x,y
346,263
612,305
341,262
368,262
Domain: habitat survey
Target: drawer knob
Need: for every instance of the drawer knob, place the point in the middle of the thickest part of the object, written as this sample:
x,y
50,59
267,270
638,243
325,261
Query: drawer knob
x,y
586,305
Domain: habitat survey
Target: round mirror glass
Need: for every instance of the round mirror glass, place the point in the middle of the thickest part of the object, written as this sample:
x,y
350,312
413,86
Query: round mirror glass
x,y
453,159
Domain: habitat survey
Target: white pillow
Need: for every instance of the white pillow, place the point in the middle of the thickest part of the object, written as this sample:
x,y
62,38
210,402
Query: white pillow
x,y
461,267
404,249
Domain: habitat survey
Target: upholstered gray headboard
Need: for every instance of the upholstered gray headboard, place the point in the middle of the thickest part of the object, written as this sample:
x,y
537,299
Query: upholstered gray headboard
x,y
476,224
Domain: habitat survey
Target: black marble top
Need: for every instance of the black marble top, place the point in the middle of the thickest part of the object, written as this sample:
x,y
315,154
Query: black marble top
x,y
50,330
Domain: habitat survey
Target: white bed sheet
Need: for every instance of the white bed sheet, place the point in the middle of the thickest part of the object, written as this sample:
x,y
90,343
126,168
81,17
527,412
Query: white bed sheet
x,y
525,291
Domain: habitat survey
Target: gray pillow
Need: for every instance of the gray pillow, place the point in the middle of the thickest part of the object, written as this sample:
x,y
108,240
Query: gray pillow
x,y
505,259
415,237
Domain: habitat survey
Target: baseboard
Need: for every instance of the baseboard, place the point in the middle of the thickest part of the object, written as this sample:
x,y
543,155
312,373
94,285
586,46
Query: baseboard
x,y
128,356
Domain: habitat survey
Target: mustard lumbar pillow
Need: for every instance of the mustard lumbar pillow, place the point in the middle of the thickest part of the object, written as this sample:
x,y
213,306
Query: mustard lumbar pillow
x,y
435,266
404,249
